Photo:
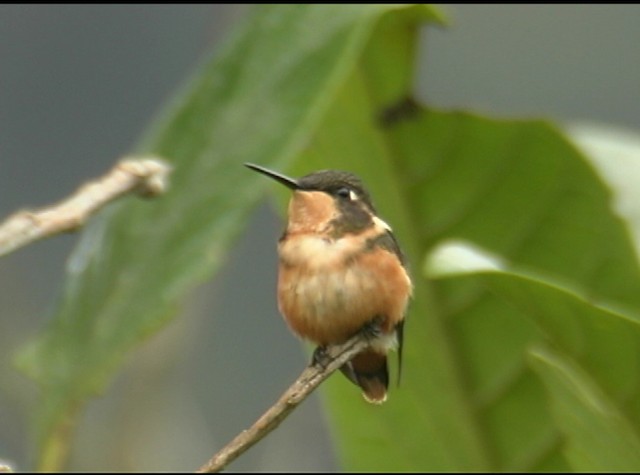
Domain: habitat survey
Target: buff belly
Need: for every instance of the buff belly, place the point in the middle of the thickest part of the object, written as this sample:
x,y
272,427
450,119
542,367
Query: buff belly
x,y
328,304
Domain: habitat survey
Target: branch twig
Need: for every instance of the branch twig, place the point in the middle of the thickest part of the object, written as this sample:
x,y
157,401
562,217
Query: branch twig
x,y
144,176
302,387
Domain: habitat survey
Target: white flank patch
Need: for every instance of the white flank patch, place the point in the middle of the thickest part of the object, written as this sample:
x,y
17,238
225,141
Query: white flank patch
x,y
380,223
385,342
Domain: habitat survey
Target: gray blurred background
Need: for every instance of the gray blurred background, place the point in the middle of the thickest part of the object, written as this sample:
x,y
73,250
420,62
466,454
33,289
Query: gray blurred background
x,y
79,84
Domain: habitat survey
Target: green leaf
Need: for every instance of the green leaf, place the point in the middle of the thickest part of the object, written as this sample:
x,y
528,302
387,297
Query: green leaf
x,y
588,358
519,189
258,100
599,436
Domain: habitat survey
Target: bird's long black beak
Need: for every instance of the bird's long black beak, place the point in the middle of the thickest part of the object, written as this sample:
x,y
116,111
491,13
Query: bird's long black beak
x,y
285,180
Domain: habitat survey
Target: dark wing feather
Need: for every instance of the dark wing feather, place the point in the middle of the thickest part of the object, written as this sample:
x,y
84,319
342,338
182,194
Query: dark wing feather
x,y
400,336
388,242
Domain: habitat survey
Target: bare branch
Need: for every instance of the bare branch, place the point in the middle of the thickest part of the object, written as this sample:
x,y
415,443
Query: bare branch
x,y
145,176
302,387
5,467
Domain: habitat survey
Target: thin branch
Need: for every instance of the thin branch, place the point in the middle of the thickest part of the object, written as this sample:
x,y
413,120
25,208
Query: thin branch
x,y
5,467
302,387
148,177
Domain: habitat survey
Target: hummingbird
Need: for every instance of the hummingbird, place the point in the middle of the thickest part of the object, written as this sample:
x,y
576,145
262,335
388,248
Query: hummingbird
x,y
340,271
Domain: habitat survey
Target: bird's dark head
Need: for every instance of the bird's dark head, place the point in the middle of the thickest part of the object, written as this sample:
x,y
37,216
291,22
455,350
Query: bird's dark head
x,y
326,199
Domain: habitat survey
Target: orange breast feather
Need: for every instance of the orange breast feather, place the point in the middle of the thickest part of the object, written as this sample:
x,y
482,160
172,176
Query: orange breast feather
x,y
328,303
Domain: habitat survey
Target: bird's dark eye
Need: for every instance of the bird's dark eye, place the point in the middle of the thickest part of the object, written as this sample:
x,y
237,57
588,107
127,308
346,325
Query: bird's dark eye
x,y
343,192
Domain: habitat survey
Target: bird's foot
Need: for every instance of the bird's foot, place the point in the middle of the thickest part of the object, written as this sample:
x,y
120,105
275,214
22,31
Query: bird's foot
x,y
373,329
320,357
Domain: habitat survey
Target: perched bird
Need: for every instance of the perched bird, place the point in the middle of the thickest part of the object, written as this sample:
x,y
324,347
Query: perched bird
x,y
340,270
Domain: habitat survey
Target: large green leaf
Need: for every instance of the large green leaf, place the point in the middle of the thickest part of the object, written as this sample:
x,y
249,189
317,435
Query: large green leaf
x,y
587,356
258,100
599,436
468,399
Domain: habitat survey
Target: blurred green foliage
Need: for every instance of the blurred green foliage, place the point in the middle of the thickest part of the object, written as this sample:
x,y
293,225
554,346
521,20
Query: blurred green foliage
x,y
503,372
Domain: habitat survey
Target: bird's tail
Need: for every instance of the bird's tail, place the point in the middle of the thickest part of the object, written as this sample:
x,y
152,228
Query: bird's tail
x,y
369,371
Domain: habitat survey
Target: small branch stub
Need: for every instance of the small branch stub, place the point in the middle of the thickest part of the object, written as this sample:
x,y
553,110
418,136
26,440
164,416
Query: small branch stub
x,y
310,379
145,176
5,467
